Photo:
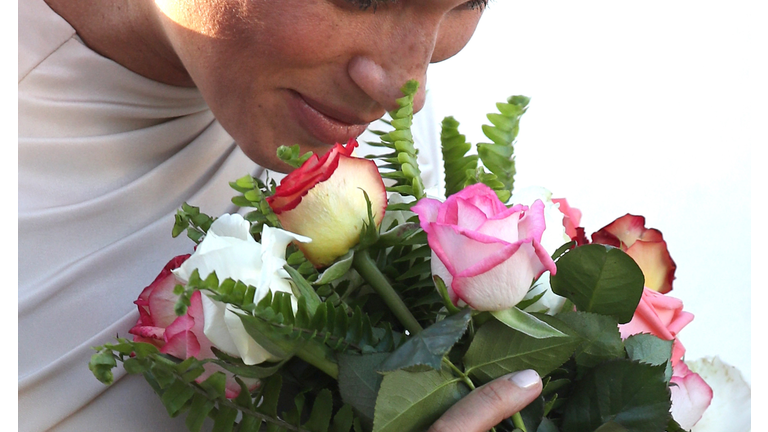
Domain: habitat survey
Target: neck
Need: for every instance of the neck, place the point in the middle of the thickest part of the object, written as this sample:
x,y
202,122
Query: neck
x,y
128,32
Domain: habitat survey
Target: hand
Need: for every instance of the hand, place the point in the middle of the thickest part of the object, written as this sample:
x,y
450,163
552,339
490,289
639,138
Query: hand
x,y
488,405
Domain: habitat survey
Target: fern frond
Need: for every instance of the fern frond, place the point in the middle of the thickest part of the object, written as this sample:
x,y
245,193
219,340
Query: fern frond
x,y
403,159
498,156
254,194
455,147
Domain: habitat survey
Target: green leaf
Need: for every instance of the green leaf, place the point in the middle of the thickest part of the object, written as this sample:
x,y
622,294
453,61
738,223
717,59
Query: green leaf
x,y
343,420
215,385
601,337
225,419
338,270
268,337
487,359
412,401
359,383
600,279
526,323
270,393
443,291
619,393
198,412
305,289
176,396
532,414
457,163
292,155
647,348
322,410
429,346
547,425
101,365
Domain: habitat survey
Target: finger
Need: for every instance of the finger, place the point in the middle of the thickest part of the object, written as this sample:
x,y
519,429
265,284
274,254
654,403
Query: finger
x,y
488,405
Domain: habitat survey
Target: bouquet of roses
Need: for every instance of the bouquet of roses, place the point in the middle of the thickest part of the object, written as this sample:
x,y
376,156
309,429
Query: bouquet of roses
x,y
347,299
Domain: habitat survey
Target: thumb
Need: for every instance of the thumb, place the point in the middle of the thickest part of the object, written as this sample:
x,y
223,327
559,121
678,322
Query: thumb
x,y
488,405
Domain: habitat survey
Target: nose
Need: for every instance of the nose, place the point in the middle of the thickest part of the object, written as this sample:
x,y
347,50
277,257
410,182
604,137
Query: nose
x,y
383,70
383,84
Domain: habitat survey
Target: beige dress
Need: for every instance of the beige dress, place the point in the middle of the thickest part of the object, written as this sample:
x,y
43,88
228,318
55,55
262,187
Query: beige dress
x,y
106,157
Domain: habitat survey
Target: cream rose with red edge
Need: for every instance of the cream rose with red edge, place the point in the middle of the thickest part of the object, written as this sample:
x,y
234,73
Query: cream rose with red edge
x,y
324,200
487,254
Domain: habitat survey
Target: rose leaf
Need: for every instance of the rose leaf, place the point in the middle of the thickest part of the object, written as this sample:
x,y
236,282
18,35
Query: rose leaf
x,y
619,395
600,279
601,337
412,401
487,359
524,322
428,347
359,383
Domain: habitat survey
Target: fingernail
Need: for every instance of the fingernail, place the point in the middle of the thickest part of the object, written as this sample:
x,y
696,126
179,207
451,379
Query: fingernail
x,y
525,378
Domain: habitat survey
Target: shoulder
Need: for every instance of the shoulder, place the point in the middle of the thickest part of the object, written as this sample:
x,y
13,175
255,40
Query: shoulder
x,y
41,32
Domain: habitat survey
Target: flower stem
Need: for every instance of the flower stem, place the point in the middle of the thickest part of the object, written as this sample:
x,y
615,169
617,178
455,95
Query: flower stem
x,y
458,372
364,265
316,356
517,419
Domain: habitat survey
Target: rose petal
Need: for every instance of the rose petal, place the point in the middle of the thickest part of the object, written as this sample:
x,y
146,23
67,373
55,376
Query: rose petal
x,y
503,285
690,396
731,397
318,216
656,264
462,250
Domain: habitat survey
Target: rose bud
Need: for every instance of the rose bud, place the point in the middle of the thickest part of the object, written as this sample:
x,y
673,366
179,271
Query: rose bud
x,y
324,200
646,246
178,336
487,254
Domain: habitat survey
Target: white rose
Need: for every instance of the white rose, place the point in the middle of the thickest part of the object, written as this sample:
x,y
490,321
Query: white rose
x,y
731,397
229,250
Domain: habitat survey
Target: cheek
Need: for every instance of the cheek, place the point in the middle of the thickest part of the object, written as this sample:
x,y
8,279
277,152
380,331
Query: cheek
x,y
454,33
301,37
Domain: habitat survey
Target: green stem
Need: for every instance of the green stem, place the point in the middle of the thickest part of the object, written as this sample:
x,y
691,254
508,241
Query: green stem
x,y
364,265
517,419
461,374
316,355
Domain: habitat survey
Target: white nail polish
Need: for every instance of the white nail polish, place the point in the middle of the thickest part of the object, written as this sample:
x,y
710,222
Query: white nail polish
x,y
525,378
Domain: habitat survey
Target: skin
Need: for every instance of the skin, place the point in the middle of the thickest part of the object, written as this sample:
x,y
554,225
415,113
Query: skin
x,y
294,71
257,62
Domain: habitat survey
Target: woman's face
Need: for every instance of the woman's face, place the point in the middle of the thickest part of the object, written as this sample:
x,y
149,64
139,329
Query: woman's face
x,y
309,72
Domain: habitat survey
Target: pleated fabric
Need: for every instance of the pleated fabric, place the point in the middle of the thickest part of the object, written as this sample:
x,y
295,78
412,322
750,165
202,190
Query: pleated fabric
x,y
106,157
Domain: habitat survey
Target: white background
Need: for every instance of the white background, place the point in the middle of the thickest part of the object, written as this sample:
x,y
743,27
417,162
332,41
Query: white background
x,y
649,108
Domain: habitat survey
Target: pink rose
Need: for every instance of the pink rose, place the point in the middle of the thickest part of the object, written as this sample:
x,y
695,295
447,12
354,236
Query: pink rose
x,y
691,396
646,246
324,200
661,316
178,336
487,254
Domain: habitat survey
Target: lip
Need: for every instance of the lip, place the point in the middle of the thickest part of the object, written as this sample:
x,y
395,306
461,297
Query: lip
x,y
323,122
